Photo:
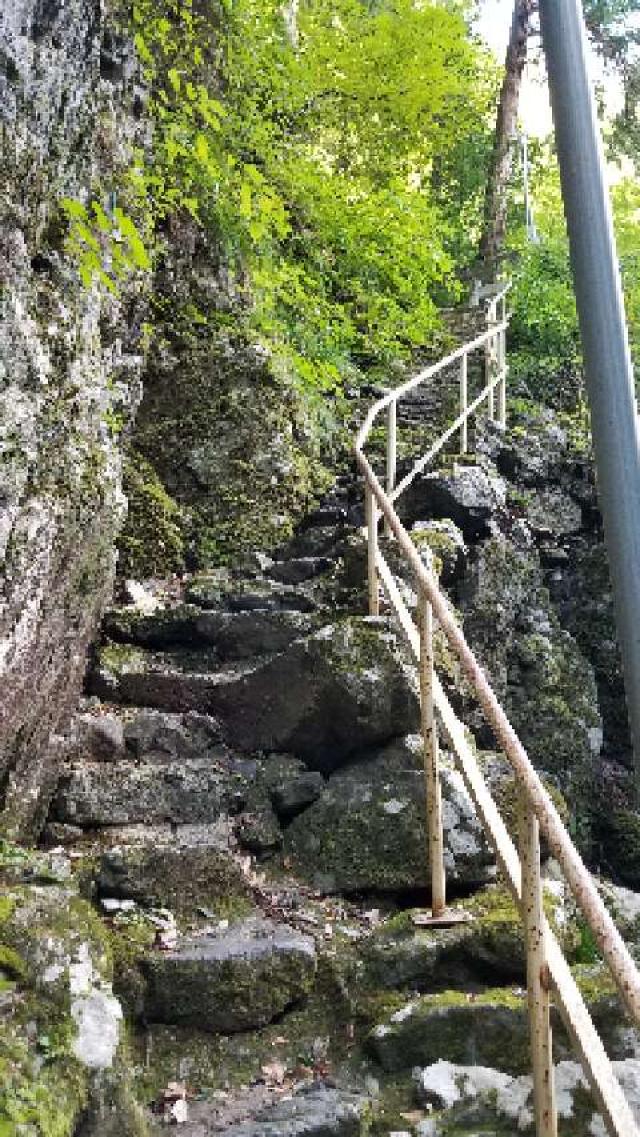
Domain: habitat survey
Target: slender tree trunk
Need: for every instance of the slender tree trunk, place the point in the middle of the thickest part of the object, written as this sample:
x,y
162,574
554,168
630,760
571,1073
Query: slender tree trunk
x,y
495,202
290,15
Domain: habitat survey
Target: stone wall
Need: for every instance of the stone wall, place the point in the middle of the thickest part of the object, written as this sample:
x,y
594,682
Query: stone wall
x,y
68,373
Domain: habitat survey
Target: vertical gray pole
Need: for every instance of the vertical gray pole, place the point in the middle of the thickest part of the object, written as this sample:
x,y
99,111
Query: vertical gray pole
x,y
607,360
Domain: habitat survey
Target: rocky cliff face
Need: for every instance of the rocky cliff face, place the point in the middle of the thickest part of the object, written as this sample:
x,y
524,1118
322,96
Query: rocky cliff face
x,y
68,372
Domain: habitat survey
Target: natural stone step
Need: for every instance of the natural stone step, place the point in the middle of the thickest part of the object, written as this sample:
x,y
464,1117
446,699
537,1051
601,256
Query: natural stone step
x,y
320,1111
234,980
491,1028
337,692
180,680
233,635
195,868
181,791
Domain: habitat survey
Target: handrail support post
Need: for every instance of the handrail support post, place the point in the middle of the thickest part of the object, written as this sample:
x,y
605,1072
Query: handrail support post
x,y
539,998
392,452
464,399
435,832
371,511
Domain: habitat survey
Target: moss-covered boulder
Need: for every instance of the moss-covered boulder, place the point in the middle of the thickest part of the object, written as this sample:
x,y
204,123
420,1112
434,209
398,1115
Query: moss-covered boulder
x,y
234,980
189,872
545,684
367,831
60,1024
341,690
224,425
491,1027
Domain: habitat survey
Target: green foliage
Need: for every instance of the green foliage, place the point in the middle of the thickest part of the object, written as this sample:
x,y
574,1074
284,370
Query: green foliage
x,y
544,338
340,173
106,248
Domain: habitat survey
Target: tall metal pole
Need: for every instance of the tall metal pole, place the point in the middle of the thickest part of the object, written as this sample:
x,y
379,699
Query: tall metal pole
x,y
607,360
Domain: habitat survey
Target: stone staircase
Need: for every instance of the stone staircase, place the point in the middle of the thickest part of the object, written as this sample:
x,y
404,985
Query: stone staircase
x,y
244,803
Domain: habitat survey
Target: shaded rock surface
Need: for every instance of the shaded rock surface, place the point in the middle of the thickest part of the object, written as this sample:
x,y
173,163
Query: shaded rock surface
x,y
69,365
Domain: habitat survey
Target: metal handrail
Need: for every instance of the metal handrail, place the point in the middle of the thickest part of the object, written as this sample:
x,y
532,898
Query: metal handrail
x,y
547,968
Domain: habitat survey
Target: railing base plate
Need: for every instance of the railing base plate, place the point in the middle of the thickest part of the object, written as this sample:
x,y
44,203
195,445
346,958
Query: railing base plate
x,y
445,919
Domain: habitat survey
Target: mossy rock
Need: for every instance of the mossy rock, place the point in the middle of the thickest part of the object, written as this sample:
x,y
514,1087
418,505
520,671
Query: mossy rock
x,y
237,980
151,542
61,1047
619,831
491,1027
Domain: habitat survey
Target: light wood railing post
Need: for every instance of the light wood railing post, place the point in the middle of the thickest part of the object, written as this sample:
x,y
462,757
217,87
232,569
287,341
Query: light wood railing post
x,y
464,399
371,511
435,835
489,360
502,388
392,452
538,984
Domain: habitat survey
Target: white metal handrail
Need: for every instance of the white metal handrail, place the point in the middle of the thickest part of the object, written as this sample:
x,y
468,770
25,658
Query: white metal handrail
x,y
547,968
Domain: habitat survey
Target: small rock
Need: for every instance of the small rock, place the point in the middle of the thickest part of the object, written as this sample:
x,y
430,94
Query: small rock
x,y
140,597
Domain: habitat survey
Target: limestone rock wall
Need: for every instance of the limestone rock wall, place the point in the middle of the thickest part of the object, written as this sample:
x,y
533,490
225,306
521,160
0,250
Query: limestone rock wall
x,y
68,373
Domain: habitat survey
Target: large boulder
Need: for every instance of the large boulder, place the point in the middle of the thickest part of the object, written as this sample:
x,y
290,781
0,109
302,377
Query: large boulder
x,y
327,697
469,495
544,682
367,831
234,980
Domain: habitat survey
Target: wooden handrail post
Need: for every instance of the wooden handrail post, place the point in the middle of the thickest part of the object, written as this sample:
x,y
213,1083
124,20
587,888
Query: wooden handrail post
x,y
464,399
502,389
490,359
392,452
435,835
371,511
537,973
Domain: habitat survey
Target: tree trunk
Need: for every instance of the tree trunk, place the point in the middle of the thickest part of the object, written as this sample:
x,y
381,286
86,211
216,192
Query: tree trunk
x,y
290,15
495,202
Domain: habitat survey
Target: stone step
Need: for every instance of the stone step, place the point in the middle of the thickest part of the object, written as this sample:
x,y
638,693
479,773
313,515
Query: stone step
x,y
343,689
186,791
234,980
233,635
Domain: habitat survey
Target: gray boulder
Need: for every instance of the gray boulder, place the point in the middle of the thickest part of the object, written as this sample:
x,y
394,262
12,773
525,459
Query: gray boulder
x,y
234,980
468,495
319,1111
367,830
